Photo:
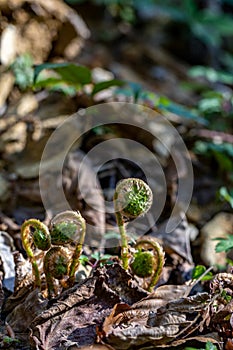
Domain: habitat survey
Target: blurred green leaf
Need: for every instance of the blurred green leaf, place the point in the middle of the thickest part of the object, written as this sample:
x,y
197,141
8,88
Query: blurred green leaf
x,y
22,68
226,296
208,346
198,271
223,153
48,82
208,26
210,105
69,72
131,90
10,341
227,59
83,259
56,84
106,84
161,102
224,244
224,161
136,90
211,27
211,74
228,196
183,112
100,257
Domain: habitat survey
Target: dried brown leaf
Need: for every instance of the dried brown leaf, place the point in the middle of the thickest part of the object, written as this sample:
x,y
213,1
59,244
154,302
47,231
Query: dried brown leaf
x,y
221,321
212,337
6,248
136,327
93,347
162,295
178,240
73,318
26,310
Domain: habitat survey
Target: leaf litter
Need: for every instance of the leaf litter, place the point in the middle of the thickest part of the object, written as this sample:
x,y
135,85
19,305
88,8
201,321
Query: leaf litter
x,y
110,307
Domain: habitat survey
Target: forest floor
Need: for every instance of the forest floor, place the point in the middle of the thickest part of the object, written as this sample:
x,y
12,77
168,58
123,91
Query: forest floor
x,y
134,107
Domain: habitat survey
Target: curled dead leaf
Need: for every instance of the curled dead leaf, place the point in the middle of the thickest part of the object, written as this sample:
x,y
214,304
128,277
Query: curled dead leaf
x,y
75,316
135,327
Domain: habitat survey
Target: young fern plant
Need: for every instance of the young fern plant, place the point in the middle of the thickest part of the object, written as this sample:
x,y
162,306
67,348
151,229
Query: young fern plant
x,y
133,198
68,231
148,261
63,243
35,232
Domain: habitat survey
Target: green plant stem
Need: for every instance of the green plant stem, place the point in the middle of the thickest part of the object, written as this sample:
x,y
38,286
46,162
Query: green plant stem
x,y
27,240
132,199
47,270
158,251
124,241
78,251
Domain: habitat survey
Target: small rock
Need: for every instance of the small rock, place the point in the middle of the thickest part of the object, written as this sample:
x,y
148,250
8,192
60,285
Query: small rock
x,y
6,85
220,226
194,213
27,104
8,45
100,74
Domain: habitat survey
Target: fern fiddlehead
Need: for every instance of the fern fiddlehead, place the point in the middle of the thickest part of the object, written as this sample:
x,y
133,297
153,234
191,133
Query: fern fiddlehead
x,y
68,230
35,232
148,261
132,199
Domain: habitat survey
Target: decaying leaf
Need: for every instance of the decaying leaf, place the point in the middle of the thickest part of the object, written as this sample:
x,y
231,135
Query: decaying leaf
x,y
202,312
72,319
163,295
136,327
221,312
93,347
189,341
26,310
178,240
23,272
6,247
